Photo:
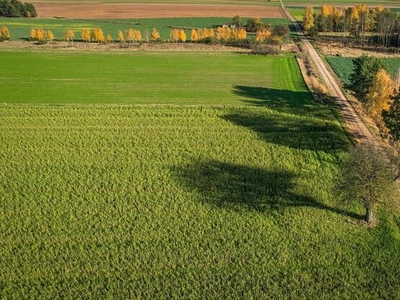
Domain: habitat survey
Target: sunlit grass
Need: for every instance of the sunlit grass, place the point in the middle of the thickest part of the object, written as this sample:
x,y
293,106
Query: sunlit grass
x,y
229,198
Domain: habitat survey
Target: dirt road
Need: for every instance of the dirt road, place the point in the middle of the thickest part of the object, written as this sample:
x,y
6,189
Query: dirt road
x,y
353,122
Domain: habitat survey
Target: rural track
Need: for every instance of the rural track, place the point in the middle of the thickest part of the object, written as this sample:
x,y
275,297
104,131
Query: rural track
x,y
355,125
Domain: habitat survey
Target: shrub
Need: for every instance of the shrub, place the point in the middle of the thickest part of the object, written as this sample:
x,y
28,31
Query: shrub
x,y
265,49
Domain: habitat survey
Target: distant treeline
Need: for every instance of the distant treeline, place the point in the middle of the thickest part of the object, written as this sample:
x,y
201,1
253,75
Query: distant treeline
x,y
360,24
17,9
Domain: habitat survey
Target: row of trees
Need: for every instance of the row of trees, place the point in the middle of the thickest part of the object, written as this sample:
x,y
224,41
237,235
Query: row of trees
x,y
368,174
226,34
17,9
41,36
358,21
378,93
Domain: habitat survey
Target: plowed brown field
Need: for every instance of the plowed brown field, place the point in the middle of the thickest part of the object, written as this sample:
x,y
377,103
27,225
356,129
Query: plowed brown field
x,y
127,11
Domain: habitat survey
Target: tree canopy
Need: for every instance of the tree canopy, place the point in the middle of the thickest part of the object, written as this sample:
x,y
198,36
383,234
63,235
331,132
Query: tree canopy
x,y
17,9
368,177
365,69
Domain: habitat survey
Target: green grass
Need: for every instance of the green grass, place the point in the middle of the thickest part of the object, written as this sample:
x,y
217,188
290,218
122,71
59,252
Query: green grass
x,y
206,201
139,78
297,11
20,28
343,67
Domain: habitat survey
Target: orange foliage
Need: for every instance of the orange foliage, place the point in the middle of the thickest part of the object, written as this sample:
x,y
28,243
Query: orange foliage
x,y
109,38
86,35
194,36
121,37
98,35
155,36
4,33
262,35
379,96
69,35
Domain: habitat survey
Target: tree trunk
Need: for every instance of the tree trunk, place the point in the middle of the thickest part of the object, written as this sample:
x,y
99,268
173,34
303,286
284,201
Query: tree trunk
x,y
369,215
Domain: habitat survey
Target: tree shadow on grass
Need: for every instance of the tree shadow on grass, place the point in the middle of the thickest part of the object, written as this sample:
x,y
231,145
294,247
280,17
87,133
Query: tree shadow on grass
x,y
292,131
299,103
231,186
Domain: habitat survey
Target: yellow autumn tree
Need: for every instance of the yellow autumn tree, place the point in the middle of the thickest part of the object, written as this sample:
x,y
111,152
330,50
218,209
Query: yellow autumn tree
x,y
194,36
137,36
4,33
130,35
155,36
220,33
241,34
33,35
174,35
69,35
224,34
326,10
308,18
86,35
379,97
49,36
182,36
41,35
262,35
98,35
209,32
109,38
121,36
201,33
326,17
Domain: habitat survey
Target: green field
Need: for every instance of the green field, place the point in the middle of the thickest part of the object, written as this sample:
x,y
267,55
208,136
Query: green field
x,y
140,78
297,11
230,199
344,67
20,28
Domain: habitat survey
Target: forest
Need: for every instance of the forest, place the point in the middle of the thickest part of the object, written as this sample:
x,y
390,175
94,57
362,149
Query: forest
x,y
358,24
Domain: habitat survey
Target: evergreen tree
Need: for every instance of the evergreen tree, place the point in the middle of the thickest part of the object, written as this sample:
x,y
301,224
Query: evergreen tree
x,y
364,71
392,118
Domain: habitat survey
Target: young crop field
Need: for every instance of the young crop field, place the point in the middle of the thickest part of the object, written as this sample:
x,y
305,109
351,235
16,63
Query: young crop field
x,y
229,198
343,67
140,78
20,28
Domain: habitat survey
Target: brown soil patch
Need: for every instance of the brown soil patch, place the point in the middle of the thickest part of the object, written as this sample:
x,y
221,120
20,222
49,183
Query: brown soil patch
x,y
130,11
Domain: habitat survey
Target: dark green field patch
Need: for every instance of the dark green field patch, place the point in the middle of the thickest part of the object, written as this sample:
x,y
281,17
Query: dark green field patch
x,y
344,67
